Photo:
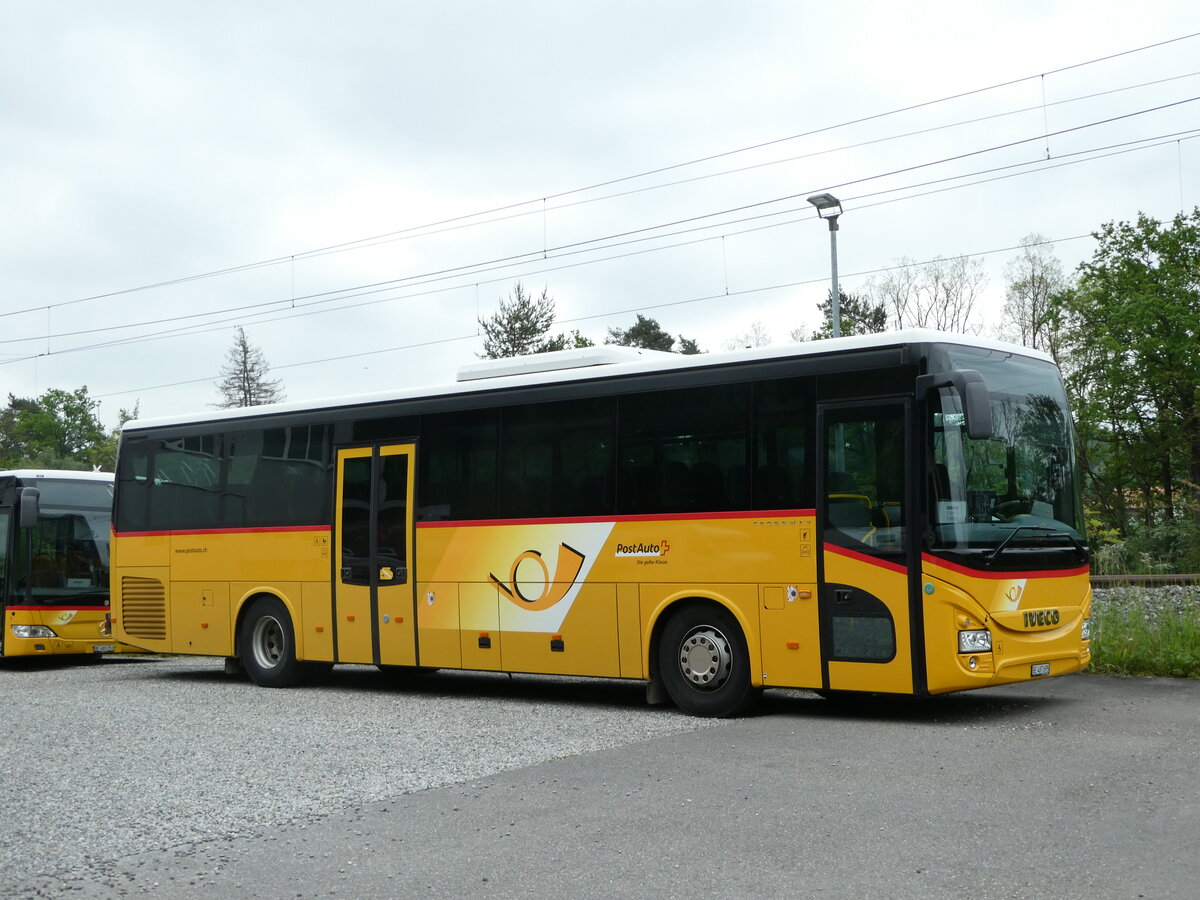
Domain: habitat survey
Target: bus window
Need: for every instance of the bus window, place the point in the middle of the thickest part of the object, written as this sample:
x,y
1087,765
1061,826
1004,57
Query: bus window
x,y
458,466
782,440
685,450
864,476
392,496
556,459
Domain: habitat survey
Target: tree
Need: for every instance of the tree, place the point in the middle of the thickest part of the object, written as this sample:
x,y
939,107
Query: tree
x,y
567,341
244,380
1033,298
649,335
58,430
857,314
757,336
104,453
939,294
1132,341
519,327
645,333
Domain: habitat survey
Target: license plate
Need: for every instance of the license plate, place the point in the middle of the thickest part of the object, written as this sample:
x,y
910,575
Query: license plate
x,y
104,648
1039,669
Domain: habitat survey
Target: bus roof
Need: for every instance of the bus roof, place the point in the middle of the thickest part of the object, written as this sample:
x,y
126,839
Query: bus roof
x,y
590,363
57,474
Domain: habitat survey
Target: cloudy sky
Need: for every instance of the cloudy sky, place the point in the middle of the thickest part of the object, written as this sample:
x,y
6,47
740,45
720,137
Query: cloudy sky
x,y
356,184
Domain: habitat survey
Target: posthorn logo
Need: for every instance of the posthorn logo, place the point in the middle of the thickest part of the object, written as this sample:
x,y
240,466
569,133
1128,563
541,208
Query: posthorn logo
x,y
541,589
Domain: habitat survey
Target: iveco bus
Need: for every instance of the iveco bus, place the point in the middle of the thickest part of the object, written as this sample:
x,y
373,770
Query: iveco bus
x,y
895,513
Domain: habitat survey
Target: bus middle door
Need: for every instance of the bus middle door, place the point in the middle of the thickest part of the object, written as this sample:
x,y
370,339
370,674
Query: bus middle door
x,y
373,545
864,585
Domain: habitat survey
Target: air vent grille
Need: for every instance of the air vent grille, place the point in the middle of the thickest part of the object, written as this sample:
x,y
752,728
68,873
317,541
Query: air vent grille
x,y
144,608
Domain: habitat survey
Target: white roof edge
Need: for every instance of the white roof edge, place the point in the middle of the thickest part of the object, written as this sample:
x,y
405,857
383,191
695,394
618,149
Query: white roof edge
x,y
62,474
559,360
645,361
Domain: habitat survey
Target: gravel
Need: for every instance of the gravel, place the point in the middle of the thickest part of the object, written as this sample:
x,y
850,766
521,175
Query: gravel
x,y
127,754
1151,601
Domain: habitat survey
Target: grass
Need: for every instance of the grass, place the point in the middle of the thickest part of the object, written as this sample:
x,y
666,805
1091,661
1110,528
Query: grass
x,y
1136,634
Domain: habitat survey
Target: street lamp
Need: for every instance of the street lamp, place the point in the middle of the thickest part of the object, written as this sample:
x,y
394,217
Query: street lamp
x,y
829,208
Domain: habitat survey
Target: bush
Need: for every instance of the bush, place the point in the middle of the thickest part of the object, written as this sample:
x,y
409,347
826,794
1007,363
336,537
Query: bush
x,y
1170,547
1147,631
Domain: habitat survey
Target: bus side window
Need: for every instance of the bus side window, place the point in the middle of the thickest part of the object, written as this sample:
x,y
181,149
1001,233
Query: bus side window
x,y
864,475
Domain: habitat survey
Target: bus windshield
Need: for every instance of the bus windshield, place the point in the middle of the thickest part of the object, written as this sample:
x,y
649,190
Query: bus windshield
x,y
1020,487
67,559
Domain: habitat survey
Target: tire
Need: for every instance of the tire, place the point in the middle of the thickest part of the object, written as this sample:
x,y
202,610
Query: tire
x,y
267,645
704,664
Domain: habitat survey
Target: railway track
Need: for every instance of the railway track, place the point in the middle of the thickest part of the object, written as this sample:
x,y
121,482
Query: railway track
x,y
1106,581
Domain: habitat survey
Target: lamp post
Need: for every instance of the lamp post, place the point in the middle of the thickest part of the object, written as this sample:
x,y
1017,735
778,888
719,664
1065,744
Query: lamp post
x,y
829,208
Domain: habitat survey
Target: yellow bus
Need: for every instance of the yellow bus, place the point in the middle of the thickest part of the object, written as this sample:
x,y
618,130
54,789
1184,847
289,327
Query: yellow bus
x,y
54,566
895,513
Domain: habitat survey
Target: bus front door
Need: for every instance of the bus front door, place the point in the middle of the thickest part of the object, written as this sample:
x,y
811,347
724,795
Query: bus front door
x,y
864,507
374,618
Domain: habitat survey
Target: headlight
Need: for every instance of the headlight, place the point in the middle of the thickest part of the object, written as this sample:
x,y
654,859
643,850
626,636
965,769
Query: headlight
x,y
975,641
32,631
1087,629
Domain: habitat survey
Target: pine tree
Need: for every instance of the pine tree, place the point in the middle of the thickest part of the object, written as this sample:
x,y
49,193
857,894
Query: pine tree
x,y
857,314
649,335
519,327
244,379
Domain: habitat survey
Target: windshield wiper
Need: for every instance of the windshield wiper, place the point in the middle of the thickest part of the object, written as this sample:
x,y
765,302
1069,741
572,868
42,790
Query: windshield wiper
x,y
991,556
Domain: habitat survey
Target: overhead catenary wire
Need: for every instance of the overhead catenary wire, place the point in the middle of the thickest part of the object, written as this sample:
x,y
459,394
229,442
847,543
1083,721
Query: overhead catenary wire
x,y
211,327
337,296
544,252
290,258
644,307
606,314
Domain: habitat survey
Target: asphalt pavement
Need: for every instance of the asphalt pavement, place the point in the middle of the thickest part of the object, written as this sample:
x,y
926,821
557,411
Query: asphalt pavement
x,y
1080,786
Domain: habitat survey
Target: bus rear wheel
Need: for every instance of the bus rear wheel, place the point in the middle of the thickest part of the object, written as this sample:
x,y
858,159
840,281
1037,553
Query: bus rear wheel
x,y
267,645
703,662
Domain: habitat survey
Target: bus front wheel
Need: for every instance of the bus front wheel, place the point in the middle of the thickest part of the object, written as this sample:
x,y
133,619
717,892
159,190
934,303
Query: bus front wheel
x,y
267,644
704,664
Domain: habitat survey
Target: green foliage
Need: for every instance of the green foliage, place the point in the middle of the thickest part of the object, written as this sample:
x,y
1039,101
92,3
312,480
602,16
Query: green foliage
x,y
857,314
1138,637
104,453
1169,546
567,341
519,327
1132,357
649,335
645,333
58,430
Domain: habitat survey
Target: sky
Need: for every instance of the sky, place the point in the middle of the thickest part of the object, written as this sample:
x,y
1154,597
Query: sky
x,y
357,184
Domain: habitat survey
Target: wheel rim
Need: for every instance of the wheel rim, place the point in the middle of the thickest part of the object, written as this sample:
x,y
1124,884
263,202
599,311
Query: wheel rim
x,y
267,642
705,657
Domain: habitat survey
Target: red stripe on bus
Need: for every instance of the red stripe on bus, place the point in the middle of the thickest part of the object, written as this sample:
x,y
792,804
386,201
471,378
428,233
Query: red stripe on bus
x,y
262,529
866,558
1002,576
474,523
640,517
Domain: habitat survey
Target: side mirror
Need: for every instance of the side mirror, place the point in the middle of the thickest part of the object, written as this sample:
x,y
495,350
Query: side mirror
x,y
29,507
977,408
